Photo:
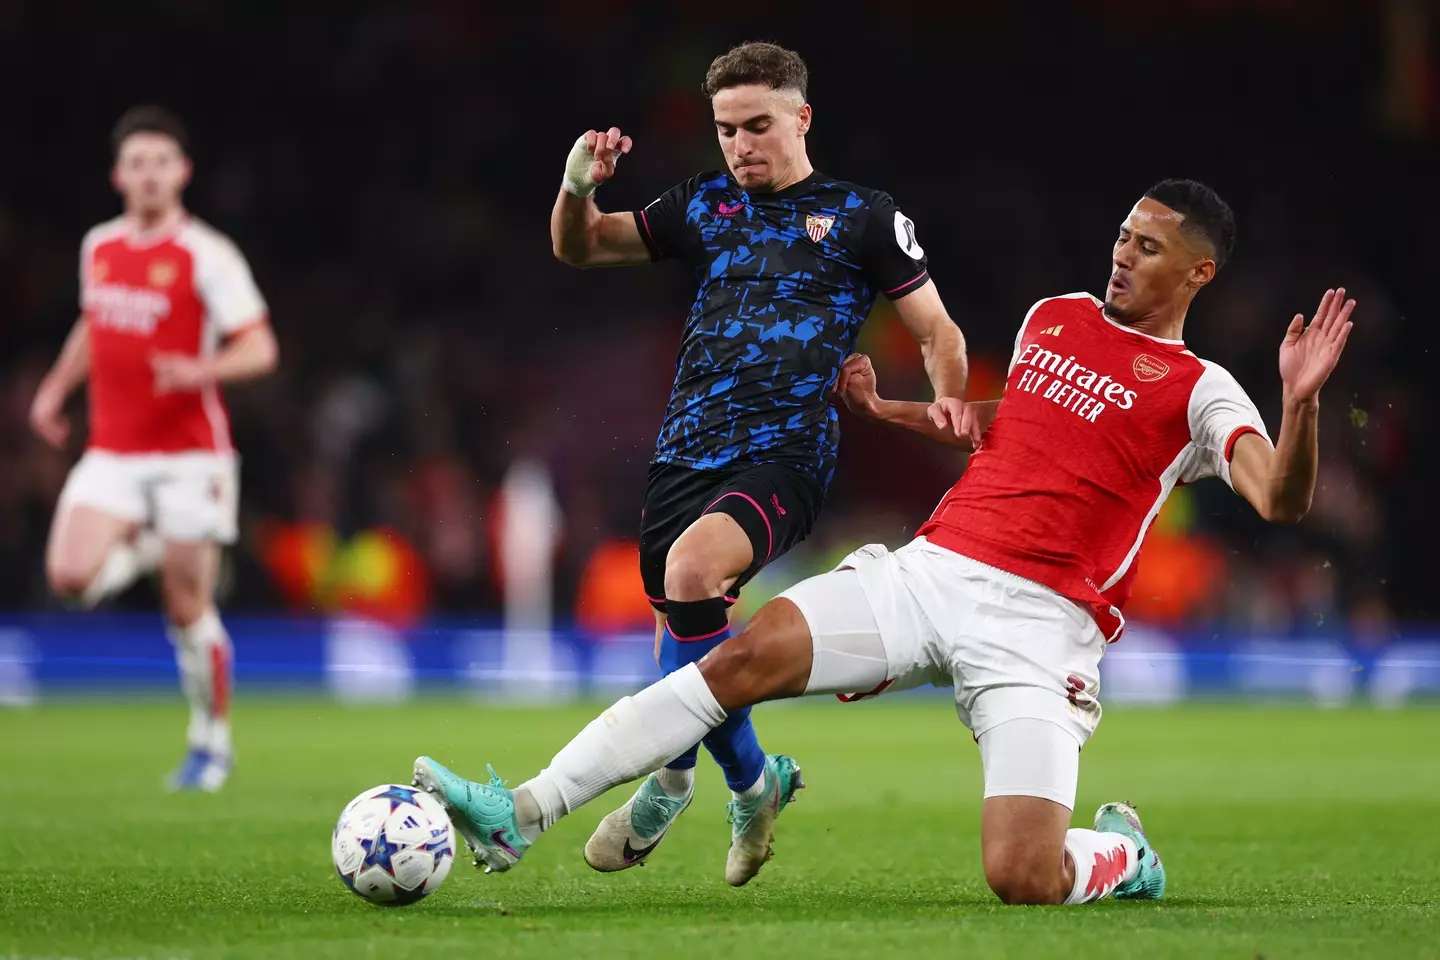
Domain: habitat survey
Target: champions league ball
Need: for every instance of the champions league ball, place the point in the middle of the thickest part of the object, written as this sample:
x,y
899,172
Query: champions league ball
x,y
393,845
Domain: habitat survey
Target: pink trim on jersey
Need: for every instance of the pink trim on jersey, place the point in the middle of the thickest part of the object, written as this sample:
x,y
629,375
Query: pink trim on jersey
x,y
913,280
769,532
645,222
1236,435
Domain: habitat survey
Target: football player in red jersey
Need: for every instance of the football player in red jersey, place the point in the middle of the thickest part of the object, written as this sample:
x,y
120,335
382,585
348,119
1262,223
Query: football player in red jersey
x,y
169,312
1012,590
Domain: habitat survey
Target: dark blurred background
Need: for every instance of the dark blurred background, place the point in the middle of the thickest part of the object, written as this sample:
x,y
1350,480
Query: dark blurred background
x,y
389,173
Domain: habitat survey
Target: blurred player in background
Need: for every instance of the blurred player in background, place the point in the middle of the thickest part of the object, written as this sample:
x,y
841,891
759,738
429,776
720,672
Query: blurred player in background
x,y
789,263
169,312
1013,588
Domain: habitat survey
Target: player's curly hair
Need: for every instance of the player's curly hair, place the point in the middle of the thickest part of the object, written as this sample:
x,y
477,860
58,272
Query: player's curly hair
x,y
149,119
755,62
1206,215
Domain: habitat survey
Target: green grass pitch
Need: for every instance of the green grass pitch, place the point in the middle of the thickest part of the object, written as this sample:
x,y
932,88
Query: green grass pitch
x,y
1287,831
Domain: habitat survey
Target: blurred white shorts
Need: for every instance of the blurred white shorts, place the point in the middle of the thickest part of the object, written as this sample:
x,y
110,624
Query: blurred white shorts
x,y
185,497
1010,647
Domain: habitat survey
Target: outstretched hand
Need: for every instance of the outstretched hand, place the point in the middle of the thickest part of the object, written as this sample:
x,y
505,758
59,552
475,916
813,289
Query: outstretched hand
x,y
1308,354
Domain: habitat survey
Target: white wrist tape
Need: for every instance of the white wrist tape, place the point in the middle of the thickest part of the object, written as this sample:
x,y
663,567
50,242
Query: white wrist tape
x,y
577,170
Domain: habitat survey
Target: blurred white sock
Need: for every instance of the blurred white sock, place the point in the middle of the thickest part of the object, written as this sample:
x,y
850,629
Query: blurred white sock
x,y
204,654
126,562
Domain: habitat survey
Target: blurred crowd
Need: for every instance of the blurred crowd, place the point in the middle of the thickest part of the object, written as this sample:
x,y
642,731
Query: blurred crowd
x,y
389,174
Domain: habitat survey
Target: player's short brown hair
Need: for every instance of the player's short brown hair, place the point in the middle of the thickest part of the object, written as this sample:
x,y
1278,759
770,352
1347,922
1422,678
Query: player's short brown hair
x,y
763,63
149,119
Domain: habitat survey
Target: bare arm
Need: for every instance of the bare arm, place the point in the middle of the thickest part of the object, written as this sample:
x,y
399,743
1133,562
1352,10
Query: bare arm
x,y
69,371
1279,481
941,343
916,417
948,420
250,353
580,234
73,365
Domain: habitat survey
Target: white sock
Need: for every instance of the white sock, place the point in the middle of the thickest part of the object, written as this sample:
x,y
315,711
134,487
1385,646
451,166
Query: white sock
x,y
121,568
204,655
634,737
754,790
1102,861
676,782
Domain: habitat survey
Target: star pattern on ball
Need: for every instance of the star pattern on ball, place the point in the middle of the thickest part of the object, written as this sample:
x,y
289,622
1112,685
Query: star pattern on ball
x,y
397,796
441,849
379,851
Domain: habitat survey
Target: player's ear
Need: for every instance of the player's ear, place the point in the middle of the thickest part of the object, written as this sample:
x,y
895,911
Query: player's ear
x,y
1202,272
803,124
188,169
115,176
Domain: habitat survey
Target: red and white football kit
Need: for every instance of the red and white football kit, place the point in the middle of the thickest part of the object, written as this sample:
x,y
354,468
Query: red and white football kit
x,y
1015,584
160,458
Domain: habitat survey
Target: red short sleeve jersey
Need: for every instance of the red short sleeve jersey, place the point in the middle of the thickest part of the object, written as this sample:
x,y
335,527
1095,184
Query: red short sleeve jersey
x,y
1098,423
181,289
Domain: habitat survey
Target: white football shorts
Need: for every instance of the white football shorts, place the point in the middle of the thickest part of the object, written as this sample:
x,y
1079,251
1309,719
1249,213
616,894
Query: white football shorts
x,y
1011,648
185,497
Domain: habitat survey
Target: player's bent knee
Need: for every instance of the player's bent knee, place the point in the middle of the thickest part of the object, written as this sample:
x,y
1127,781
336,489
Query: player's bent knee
x,y
689,576
706,558
67,578
1022,881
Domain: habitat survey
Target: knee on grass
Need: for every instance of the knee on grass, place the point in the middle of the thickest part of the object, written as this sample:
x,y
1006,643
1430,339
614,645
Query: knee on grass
x,y
1018,877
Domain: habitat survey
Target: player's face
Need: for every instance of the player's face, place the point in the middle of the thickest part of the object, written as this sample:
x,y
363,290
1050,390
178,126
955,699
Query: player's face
x,y
762,133
1154,264
150,172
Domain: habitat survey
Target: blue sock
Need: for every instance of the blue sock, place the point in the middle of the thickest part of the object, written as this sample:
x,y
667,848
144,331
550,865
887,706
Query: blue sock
x,y
733,744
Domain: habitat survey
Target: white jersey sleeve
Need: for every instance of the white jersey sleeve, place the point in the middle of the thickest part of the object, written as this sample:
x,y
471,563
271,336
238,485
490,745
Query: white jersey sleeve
x,y
1220,413
223,281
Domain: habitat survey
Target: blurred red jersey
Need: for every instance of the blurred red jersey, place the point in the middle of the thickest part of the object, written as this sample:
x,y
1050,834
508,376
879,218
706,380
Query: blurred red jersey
x,y
178,289
1097,425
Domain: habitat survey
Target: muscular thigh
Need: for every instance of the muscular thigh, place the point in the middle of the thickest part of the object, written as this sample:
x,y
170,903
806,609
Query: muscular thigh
x,y
870,634
80,538
103,501
675,497
1031,770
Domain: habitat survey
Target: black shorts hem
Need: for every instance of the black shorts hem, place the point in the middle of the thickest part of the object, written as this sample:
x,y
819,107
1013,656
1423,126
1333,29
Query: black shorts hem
x,y
775,505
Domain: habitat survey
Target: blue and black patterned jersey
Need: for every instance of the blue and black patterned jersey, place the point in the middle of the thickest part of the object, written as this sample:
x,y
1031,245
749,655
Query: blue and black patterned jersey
x,y
786,279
